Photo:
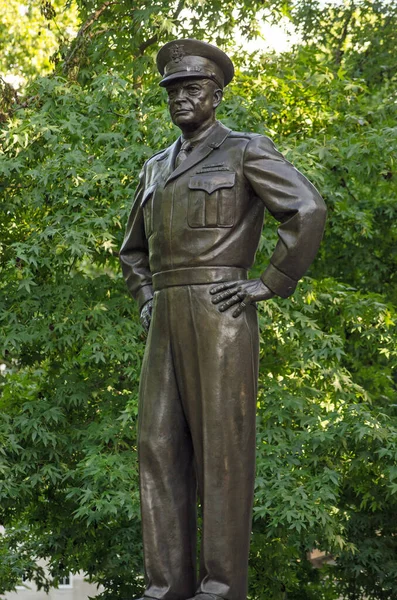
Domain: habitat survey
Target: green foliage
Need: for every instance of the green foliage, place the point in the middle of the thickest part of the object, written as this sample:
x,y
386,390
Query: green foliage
x,y
33,36
71,341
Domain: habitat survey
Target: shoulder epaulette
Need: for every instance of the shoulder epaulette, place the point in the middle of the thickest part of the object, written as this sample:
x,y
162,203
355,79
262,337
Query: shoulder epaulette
x,y
243,134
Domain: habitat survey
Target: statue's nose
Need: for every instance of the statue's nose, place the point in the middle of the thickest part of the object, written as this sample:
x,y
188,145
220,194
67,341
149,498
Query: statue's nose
x,y
180,95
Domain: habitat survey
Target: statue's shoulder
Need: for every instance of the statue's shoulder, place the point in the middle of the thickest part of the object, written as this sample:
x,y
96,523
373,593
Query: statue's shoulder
x,y
243,135
257,139
155,157
254,142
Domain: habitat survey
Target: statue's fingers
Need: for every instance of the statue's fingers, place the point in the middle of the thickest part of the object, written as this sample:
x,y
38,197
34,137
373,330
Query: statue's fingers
x,y
223,286
223,295
242,306
233,300
146,321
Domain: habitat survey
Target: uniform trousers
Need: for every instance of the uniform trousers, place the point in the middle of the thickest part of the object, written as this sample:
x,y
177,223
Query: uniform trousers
x,y
197,434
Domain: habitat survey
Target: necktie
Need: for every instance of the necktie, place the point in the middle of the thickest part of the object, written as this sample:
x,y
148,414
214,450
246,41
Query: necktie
x,y
183,153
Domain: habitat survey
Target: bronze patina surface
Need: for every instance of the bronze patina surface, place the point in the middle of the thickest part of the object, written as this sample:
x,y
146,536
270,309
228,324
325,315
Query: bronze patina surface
x,y
191,239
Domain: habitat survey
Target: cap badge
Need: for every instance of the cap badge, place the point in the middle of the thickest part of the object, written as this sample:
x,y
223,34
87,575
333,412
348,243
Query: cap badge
x,y
177,53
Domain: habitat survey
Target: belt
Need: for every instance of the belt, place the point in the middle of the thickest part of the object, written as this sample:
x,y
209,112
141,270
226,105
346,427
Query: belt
x,y
196,275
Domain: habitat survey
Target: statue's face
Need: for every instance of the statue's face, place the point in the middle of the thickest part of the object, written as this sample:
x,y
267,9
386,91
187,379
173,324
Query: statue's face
x,y
192,101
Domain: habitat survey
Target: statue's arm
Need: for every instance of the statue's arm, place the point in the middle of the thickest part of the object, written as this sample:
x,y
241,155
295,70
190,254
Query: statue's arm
x,y
297,205
134,253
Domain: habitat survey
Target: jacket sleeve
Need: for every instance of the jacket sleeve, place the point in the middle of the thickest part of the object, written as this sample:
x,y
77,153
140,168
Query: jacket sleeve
x,y
134,253
295,203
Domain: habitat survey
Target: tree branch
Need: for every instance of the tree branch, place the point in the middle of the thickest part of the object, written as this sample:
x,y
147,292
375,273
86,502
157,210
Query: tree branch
x,y
90,21
95,16
338,51
152,40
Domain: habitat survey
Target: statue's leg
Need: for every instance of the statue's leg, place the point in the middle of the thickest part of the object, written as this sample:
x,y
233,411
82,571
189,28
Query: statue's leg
x,y
167,477
216,359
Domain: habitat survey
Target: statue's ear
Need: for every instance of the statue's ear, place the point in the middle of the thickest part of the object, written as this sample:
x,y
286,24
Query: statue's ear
x,y
218,95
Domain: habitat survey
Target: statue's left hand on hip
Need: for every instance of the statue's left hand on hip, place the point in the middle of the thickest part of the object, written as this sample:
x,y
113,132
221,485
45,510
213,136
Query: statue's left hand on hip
x,y
242,293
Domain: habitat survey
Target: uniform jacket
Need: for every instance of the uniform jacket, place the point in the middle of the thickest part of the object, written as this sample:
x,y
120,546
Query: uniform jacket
x,y
209,212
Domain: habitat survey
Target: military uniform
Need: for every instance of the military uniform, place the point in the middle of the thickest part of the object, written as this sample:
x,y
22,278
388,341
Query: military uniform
x,y
191,227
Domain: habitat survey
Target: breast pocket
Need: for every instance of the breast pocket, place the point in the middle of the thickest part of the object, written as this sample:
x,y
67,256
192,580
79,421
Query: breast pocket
x,y
212,200
147,205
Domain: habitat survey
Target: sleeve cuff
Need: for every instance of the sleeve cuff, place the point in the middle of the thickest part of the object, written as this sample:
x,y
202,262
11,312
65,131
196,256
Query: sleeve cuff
x,y
278,282
144,294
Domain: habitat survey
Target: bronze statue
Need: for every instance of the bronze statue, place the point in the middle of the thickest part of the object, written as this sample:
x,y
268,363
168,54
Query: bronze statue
x,y
191,239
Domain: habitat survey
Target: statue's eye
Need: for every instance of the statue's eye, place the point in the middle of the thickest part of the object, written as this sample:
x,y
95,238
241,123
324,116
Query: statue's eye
x,y
193,89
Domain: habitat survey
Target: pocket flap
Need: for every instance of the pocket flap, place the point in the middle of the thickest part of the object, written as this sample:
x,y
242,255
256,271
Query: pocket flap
x,y
147,193
211,182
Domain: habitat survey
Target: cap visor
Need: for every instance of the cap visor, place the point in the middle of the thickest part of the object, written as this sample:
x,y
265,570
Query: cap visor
x,y
182,75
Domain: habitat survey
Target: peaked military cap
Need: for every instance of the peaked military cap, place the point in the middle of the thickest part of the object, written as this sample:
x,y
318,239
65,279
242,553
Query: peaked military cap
x,y
192,58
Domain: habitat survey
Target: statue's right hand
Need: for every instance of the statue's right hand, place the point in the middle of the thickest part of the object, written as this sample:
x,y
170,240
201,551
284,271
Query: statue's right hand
x,y
146,314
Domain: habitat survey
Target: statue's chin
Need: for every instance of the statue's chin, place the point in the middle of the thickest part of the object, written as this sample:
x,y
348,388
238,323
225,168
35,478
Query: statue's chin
x,y
183,118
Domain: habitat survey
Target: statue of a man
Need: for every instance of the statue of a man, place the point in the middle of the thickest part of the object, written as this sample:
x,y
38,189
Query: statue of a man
x,y
191,239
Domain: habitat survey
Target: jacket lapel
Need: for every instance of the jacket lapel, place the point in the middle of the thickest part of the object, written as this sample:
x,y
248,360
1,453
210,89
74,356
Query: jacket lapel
x,y
214,140
167,159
